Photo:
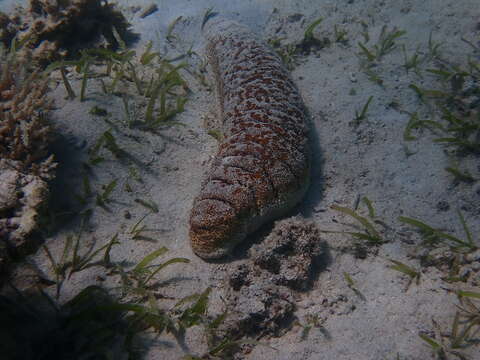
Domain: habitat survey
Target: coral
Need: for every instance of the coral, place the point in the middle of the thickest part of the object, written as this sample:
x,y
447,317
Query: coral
x,y
54,29
8,29
24,130
261,291
21,199
25,162
262,167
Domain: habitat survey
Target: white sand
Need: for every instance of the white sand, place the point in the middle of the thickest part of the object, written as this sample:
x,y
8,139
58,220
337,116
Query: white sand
x,y
368,160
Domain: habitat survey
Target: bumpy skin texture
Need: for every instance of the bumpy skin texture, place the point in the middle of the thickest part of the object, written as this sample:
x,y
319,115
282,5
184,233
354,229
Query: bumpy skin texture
x,y
262,166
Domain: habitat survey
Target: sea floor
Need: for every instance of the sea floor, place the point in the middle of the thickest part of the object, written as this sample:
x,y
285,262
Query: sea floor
x,y
358,307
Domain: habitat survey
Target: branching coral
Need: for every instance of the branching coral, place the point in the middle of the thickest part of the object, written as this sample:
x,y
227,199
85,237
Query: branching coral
x,y
53,29
24,132
8,29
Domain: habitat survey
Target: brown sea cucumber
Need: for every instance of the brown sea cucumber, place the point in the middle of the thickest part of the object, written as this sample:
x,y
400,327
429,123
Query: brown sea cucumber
x,y
262,166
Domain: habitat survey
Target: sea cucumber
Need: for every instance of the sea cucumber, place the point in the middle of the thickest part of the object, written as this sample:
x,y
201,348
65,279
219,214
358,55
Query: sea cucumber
x,y
262,167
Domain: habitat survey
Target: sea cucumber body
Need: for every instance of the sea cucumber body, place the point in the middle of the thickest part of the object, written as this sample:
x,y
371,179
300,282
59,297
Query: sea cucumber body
x,y
262,166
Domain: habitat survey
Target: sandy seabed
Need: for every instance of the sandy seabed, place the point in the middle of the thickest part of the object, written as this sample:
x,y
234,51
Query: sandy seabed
x,y
354,159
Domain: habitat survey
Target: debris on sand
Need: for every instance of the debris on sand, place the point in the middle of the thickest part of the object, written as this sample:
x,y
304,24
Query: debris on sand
x,y
262,291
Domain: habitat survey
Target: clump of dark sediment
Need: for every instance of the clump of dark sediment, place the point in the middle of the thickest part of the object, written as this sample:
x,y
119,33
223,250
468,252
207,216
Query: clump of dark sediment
x,y
55,29
261,292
